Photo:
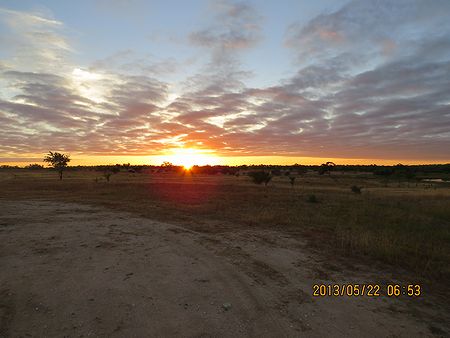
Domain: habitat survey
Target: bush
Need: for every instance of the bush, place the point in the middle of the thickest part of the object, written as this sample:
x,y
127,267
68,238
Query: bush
x,y
34,166
107,175
356,189
292,180
312,199
276,172
259,177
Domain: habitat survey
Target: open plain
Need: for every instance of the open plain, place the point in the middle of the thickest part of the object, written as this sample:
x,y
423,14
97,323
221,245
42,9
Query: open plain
x,y
215,255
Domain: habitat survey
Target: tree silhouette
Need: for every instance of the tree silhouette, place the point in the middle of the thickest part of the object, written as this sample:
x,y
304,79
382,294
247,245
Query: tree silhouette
x,y
34,166
325,168
58,161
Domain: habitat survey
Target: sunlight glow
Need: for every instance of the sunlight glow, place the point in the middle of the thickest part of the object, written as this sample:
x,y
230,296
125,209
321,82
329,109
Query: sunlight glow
x,y
87,84
188,157
84,75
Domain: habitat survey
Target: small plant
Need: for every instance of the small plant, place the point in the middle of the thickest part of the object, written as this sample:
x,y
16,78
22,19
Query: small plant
x,y
355,189
312,199
259,177
108,171
292,180
107,175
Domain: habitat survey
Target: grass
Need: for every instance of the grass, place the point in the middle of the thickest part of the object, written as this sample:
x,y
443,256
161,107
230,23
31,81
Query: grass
x,y
401,225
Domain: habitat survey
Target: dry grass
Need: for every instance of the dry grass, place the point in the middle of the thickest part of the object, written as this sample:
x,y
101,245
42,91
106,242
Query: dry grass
x,y
404,226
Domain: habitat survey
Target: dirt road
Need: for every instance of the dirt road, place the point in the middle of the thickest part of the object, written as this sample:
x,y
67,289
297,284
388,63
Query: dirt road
x,y
71,270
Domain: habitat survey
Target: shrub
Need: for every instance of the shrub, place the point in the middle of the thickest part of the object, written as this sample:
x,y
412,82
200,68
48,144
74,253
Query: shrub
x,y
34,166
259,177
356,189
108,171
107,175
312,199
326,168
292,180
276,172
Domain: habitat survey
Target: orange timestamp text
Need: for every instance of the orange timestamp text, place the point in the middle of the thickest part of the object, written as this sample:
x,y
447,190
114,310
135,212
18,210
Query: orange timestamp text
x,y
366,290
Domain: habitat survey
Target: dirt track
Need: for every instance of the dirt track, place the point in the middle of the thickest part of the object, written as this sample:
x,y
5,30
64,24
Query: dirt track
x,y
78,271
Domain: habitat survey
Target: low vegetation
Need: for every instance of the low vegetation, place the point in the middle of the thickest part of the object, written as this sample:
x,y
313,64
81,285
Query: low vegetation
x,y
292,180
394,222
259,177
312,199
355,189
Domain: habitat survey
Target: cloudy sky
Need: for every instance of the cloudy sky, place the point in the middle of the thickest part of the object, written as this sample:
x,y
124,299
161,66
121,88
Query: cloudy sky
x,y
279,81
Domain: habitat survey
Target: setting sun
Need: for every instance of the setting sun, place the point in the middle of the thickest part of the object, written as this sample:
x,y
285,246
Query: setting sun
x,y
188,157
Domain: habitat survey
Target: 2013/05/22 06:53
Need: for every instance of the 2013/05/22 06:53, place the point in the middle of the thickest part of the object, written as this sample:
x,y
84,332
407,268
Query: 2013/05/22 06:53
x,y
368,290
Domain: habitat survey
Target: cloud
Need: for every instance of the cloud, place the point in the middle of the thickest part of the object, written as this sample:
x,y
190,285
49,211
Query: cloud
x,y
20,19
235,29
367,27
35,41
370,80
128,62
50,109
236,26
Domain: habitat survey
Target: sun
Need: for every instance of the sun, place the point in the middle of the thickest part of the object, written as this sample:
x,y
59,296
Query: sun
x,y
188,157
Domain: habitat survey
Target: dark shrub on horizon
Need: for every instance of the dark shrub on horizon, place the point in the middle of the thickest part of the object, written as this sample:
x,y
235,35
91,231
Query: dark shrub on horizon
x,y
34,166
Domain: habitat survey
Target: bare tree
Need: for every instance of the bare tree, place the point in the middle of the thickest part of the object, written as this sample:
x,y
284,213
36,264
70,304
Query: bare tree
x,y
58,161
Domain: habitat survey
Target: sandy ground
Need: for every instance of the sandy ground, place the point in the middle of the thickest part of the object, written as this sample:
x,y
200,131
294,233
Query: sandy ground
x,y
71,270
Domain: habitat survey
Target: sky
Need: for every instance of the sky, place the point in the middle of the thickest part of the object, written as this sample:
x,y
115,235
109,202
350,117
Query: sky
x,y
225,82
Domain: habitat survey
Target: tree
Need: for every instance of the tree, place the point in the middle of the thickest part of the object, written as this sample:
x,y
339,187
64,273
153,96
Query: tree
x,y
34,166
166,167
166,164
326,168
58,161
403,172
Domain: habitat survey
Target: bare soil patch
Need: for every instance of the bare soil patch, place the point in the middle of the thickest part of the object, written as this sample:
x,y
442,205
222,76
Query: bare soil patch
x,y
75,270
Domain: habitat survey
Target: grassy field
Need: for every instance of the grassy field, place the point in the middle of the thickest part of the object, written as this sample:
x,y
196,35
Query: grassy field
x,y
403,224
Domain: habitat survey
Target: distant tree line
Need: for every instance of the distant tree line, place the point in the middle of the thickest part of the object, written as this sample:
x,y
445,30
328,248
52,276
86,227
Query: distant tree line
x,y
59,162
